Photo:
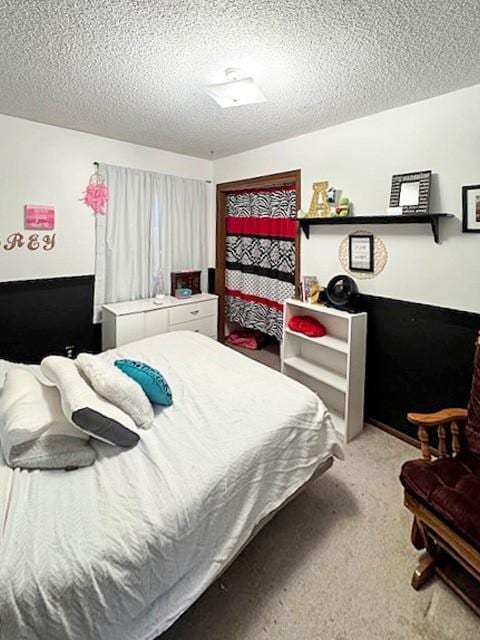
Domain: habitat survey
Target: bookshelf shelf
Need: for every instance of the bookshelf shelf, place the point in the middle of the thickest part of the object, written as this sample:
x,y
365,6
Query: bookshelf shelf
x,y
334,365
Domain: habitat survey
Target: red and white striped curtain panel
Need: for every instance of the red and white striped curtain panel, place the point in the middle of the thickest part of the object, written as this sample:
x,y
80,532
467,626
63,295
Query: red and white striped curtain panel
x,y
260,256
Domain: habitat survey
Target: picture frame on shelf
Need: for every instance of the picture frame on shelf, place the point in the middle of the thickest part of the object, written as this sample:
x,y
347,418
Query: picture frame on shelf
x,y
411,192
310,289
471,208
361,252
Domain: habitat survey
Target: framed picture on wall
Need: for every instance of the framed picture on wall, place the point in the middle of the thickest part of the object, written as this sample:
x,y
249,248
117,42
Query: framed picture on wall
x,y
471,208
360,252
39,216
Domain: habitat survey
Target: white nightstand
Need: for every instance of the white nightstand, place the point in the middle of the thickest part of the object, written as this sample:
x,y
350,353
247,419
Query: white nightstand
x,y
136,319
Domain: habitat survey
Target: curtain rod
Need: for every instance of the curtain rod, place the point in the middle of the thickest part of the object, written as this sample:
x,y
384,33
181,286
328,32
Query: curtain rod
x,y
96,164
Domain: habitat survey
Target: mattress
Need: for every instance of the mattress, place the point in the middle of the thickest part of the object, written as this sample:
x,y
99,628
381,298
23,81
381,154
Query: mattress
x,y
121,549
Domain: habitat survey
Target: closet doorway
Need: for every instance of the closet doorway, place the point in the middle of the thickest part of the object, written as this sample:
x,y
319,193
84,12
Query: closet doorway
x,y
257,252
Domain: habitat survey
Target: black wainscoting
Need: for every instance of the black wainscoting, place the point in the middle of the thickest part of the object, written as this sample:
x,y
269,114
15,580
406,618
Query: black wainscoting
x,y
43,317
419,358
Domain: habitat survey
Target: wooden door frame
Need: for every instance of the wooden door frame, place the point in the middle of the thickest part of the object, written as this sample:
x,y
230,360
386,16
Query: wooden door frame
x,y
272,180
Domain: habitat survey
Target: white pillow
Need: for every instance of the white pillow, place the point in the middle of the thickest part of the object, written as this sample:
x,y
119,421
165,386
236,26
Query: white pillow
x,y
84,408
34,433
112,384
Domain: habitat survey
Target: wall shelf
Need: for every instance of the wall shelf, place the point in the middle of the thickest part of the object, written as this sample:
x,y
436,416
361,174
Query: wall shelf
x,y
433,219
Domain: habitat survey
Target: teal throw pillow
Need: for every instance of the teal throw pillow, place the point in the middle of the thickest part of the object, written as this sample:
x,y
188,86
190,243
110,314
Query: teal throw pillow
x,y
154,385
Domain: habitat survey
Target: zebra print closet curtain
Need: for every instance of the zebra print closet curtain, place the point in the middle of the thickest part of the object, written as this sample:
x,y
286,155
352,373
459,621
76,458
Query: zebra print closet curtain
x,y
260,256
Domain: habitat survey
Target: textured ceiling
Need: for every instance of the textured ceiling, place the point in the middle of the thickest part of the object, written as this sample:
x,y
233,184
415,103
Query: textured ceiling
x,y
136,69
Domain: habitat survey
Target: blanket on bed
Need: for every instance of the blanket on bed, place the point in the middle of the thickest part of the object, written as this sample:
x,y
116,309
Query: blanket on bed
x,y
120,549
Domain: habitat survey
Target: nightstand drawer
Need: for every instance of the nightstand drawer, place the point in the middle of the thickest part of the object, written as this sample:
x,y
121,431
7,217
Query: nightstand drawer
x,y
194,311
206,326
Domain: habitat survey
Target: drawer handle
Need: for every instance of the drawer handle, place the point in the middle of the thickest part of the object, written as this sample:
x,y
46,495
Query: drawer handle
x,y
194,313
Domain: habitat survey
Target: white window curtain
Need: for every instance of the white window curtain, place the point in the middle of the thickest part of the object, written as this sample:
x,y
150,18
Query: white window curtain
x,y
154,224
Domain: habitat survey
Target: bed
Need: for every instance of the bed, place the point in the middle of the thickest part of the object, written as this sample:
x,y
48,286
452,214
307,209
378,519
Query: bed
x,y
121,549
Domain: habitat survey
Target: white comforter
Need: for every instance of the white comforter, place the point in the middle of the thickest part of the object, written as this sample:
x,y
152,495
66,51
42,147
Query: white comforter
x,y
120,549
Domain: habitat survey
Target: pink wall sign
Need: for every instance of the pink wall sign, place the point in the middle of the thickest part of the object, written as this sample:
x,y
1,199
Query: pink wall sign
x,y
39,217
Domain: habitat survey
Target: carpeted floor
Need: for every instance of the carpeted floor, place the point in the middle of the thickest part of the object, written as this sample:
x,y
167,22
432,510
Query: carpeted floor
x,y
269,354
335,564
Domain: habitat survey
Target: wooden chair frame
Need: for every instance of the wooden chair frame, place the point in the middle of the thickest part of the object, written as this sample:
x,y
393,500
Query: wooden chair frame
x,y
440,543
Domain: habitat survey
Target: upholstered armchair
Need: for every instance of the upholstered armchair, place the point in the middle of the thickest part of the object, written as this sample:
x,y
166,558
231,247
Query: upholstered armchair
x,y
443,493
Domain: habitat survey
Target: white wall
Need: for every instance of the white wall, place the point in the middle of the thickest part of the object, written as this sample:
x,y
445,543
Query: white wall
x,y
40,164
359,157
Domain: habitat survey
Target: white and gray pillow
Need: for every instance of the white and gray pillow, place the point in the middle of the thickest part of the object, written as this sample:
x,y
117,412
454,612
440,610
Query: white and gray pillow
x,y
118,388
34,433
84,408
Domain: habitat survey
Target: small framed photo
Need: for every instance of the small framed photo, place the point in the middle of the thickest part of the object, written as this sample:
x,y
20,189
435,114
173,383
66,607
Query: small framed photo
x,y
310,289
360,252
471,209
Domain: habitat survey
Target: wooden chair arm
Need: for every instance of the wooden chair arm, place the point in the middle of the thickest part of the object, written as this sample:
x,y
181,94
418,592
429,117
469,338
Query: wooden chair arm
x,y
440,417
438,420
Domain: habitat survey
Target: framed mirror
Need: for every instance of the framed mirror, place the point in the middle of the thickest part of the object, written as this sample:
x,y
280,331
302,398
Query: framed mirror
x,y
411,191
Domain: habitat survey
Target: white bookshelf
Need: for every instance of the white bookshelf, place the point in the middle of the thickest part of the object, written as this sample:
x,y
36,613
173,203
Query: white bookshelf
x,y
333,366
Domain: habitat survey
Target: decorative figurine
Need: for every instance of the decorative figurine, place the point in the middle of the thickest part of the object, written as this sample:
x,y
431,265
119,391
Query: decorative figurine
x,y
343,209
319,209
332,195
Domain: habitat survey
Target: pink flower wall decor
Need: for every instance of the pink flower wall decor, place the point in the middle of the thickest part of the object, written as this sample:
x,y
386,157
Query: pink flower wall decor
x,y
96,194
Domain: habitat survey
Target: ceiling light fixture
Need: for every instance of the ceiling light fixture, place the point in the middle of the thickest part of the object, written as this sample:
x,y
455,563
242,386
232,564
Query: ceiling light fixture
x,y
237,90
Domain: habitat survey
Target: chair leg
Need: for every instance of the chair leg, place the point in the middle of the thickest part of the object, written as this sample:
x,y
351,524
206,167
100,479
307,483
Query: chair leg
x,y
424,571
418,539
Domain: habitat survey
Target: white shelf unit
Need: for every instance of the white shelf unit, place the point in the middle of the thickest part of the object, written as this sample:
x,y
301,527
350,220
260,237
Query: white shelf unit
x,y
333,366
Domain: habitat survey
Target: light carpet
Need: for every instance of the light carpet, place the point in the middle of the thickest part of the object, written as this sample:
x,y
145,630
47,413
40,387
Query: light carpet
x,y
268,354
334,564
